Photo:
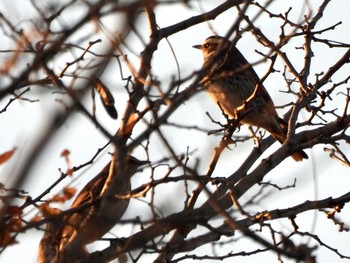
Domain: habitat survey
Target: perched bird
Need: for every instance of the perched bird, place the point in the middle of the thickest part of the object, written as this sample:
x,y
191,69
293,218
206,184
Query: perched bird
x,y
234,85
89,223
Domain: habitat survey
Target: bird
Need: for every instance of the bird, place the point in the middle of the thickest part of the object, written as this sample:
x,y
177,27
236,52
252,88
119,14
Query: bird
x,y
233,84
89,223
48,246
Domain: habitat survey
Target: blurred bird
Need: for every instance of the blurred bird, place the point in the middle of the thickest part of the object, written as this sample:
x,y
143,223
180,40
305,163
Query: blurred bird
x,y
48,246
90,223
239,90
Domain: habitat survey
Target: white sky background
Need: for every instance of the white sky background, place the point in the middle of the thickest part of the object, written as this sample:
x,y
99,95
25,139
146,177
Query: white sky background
x,y
24,120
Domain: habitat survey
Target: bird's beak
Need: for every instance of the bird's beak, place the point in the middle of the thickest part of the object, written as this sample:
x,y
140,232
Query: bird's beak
x,y
197,46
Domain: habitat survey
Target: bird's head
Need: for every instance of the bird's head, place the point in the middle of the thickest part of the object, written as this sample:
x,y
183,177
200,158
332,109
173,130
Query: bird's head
x,y
211,45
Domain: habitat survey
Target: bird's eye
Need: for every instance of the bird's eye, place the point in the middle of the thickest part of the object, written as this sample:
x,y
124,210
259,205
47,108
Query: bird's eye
x,y
206,45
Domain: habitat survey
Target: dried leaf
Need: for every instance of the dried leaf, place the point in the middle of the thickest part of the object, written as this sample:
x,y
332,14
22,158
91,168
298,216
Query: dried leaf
x,y
15,211
15,225
69,192
48,211
58,199
65,153
7,155
36,218
107,99
6,238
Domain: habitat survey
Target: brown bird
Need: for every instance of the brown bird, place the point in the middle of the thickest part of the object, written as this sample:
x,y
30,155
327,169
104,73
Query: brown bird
x,y
234,85
49,243
90,223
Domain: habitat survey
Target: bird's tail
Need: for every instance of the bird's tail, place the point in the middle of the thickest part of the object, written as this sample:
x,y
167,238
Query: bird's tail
x,y
298,155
